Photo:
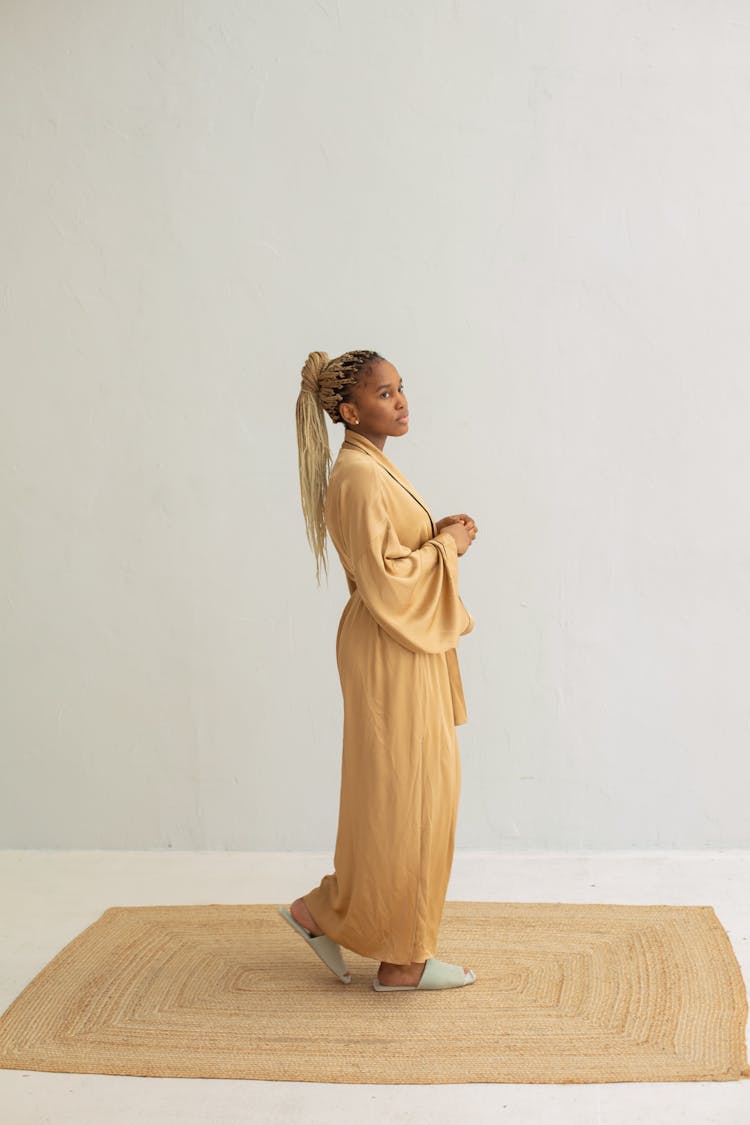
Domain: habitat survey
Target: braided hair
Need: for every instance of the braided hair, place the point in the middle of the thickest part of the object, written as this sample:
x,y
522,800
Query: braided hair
x,y
326,383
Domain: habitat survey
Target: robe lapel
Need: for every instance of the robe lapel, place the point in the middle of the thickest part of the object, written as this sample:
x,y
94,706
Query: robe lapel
x,y
356,441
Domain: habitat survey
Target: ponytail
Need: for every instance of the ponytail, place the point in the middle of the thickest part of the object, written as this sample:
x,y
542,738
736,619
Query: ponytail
x,y
326,383
314,456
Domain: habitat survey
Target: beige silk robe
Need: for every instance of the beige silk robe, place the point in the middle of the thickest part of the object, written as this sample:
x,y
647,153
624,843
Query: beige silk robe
x,y
403,698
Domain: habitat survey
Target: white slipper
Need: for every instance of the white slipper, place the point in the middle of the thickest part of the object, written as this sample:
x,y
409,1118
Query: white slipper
x,y
436,974
328,950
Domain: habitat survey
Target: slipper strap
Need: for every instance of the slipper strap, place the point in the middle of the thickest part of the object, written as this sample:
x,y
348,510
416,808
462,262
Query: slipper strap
x,y
328,950
439,974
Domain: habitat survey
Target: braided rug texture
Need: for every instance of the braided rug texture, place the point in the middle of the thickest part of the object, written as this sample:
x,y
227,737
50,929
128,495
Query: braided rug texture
x,y
565,993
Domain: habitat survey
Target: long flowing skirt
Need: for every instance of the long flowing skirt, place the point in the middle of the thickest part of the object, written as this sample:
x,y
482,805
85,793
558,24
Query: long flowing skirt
x,y
400,785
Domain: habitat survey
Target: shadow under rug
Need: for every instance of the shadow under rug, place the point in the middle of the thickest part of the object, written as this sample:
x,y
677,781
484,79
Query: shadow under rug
x,y
565,992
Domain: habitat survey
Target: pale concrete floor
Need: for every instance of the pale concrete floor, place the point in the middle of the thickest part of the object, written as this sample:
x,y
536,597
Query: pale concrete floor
x,y
49,897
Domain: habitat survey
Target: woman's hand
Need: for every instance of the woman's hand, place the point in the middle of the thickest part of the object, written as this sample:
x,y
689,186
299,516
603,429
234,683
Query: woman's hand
x,y
455,521
460,534
462,528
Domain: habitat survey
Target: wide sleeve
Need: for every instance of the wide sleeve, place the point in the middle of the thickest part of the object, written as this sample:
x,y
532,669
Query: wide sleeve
x,y
412,594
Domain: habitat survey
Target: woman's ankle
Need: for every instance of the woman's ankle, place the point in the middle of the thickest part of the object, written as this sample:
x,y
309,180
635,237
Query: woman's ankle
x,y
390,972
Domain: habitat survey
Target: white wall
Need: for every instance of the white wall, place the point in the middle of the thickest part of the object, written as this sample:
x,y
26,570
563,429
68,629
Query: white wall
x,y
539,212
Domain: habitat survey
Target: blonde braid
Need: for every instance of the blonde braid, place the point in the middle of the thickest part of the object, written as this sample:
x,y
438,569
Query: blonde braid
x,y
325,384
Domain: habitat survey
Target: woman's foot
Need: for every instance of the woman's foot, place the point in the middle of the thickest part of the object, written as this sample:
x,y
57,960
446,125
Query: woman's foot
x,y
303,923
301,914
388,973
393,974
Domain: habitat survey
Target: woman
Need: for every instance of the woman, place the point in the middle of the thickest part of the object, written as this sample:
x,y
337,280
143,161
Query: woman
x,y
397,662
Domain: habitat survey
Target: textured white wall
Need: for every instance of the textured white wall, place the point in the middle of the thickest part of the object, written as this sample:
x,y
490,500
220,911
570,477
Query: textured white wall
x,y
539,212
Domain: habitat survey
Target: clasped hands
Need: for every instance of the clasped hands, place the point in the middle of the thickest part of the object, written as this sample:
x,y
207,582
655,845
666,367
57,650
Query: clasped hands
x,y
462,528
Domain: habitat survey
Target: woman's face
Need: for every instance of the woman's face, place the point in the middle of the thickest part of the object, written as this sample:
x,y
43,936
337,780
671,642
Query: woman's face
x,y
378,407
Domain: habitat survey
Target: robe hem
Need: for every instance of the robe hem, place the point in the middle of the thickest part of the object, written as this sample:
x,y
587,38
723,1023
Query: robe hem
x,y
375,953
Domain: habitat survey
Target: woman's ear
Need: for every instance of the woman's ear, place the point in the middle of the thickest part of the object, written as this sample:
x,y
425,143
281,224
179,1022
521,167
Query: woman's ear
x,y
348,413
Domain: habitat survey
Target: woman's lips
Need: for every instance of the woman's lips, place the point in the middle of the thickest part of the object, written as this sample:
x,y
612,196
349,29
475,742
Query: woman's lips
x,y
403,418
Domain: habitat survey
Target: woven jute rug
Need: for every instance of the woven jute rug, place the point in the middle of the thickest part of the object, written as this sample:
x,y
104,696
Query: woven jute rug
x,y
564,993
